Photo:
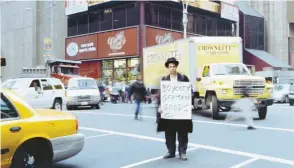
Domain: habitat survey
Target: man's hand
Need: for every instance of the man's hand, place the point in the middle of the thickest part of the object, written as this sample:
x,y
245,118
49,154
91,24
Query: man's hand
x,y
159,109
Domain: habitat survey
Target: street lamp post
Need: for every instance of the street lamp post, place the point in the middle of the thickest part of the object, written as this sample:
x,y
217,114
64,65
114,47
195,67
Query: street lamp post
x,y
185,17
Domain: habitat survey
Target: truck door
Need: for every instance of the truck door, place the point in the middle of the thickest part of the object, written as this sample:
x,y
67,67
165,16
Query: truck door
x,y
205,80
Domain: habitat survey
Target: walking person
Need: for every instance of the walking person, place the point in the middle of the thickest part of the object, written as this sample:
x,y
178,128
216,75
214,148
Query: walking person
x,y
174,127
245,105
138,89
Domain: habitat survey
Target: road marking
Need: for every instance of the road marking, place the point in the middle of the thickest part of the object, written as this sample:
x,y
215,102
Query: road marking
x,y
223,150
246,162
151,160
195,121
95,136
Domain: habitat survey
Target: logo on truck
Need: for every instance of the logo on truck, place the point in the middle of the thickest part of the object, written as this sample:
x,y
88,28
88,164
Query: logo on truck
x,y
117,42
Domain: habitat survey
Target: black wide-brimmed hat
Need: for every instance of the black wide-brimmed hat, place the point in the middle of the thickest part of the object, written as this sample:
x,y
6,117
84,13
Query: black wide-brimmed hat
x,y
171,60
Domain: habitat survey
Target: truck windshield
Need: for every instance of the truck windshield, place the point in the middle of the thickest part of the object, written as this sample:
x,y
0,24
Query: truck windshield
x,y
82,84
229,69
69,71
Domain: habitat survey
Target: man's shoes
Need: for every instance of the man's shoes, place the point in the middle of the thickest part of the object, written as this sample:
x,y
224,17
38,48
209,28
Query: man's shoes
x,y
251,128
136,118
183,157
168,156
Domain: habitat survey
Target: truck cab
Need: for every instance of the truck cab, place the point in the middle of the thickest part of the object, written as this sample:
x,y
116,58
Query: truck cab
x,y
220,84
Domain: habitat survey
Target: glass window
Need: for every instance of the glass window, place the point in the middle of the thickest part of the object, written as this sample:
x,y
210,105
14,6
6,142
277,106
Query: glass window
x,y
107,73
7,109
35,84
221,28
56,83
8,85
260,38
164,17
120,74
82,84
133,14
253,40
106,20
177,20
107,64
46,84
72,25
191,24
119,17
211,26
120,63
260,25
83,26
228,29
151,16
201,25
94,21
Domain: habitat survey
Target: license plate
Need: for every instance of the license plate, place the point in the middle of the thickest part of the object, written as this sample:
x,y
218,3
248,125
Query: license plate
x,y
84,103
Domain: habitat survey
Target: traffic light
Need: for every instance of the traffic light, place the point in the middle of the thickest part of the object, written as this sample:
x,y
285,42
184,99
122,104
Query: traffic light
x,y
3,62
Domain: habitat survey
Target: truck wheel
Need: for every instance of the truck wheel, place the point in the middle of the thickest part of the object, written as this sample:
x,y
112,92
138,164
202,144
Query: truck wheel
x,y
286,99
262,113
291,102
214,107
57,105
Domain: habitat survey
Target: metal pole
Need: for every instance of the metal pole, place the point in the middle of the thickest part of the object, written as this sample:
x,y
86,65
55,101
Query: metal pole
x,y
185,17
51,27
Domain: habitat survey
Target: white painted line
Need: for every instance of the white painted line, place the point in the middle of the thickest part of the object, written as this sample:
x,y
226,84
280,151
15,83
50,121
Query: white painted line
x,y
246,162
95,136
195,121
150,160
223,150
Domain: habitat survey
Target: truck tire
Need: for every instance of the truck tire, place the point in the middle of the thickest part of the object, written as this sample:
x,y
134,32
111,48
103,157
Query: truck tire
x,y
214,107
291,102
262,113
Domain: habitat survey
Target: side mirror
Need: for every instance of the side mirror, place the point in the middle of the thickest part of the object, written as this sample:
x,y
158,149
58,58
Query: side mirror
x,y
198,79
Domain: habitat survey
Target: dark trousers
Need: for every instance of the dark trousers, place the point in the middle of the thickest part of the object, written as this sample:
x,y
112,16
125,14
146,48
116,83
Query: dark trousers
x,y
170,141
138,103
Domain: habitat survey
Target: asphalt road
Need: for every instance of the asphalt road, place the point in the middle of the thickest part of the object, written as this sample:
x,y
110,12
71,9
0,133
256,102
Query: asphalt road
x,y
115,140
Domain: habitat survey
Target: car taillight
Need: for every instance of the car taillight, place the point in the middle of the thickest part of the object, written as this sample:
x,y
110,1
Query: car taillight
x,y
77,125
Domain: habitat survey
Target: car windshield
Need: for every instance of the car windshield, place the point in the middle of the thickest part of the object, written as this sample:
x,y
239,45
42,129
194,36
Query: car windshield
x,y
82,84
229,69
279,87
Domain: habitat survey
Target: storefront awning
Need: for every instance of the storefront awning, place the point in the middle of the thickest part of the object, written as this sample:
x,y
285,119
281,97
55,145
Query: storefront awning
x,y
269,59
247,10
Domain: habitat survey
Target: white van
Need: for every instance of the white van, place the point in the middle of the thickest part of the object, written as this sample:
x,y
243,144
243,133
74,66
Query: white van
x,y
39,92
82,91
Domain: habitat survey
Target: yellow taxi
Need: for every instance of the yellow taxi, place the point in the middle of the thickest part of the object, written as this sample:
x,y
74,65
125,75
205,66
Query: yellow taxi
x,y
35,138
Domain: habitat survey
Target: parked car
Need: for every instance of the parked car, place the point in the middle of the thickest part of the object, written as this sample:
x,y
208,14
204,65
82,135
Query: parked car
x,y
82,91
291,95
35,137
281,93
39,92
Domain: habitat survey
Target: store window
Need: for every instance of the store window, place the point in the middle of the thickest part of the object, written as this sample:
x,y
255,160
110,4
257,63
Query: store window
x,y
119,17
254,32
133,68
221,28
191,24
133,14
106,20
107,69
177,23
201,25
151,16
94,18
72,26
120,71
211,26
164,17
83,26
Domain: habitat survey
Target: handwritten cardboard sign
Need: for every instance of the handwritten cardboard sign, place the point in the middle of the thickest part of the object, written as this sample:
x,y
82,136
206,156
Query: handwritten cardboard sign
x,y
176,98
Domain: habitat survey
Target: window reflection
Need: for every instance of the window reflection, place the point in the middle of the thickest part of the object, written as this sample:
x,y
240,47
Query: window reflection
x,y
254,32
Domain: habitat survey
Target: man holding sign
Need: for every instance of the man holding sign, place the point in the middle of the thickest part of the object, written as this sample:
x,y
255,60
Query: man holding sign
x,y
175,113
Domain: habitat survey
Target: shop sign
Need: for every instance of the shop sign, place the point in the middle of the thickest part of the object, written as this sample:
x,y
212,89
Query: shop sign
x,y
156,36
118,43
75,6
47,47
84,47
229,11
166,38
96,2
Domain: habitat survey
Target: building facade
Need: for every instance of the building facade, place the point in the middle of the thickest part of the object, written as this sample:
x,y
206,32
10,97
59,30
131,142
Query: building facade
x,y
279,27
24,26
109,37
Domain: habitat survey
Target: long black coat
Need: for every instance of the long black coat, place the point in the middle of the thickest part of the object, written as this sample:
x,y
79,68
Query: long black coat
x,y
179,125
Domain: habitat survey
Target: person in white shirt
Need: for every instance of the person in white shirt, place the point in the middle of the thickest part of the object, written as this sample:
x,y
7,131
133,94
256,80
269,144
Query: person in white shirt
x,y
246,106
